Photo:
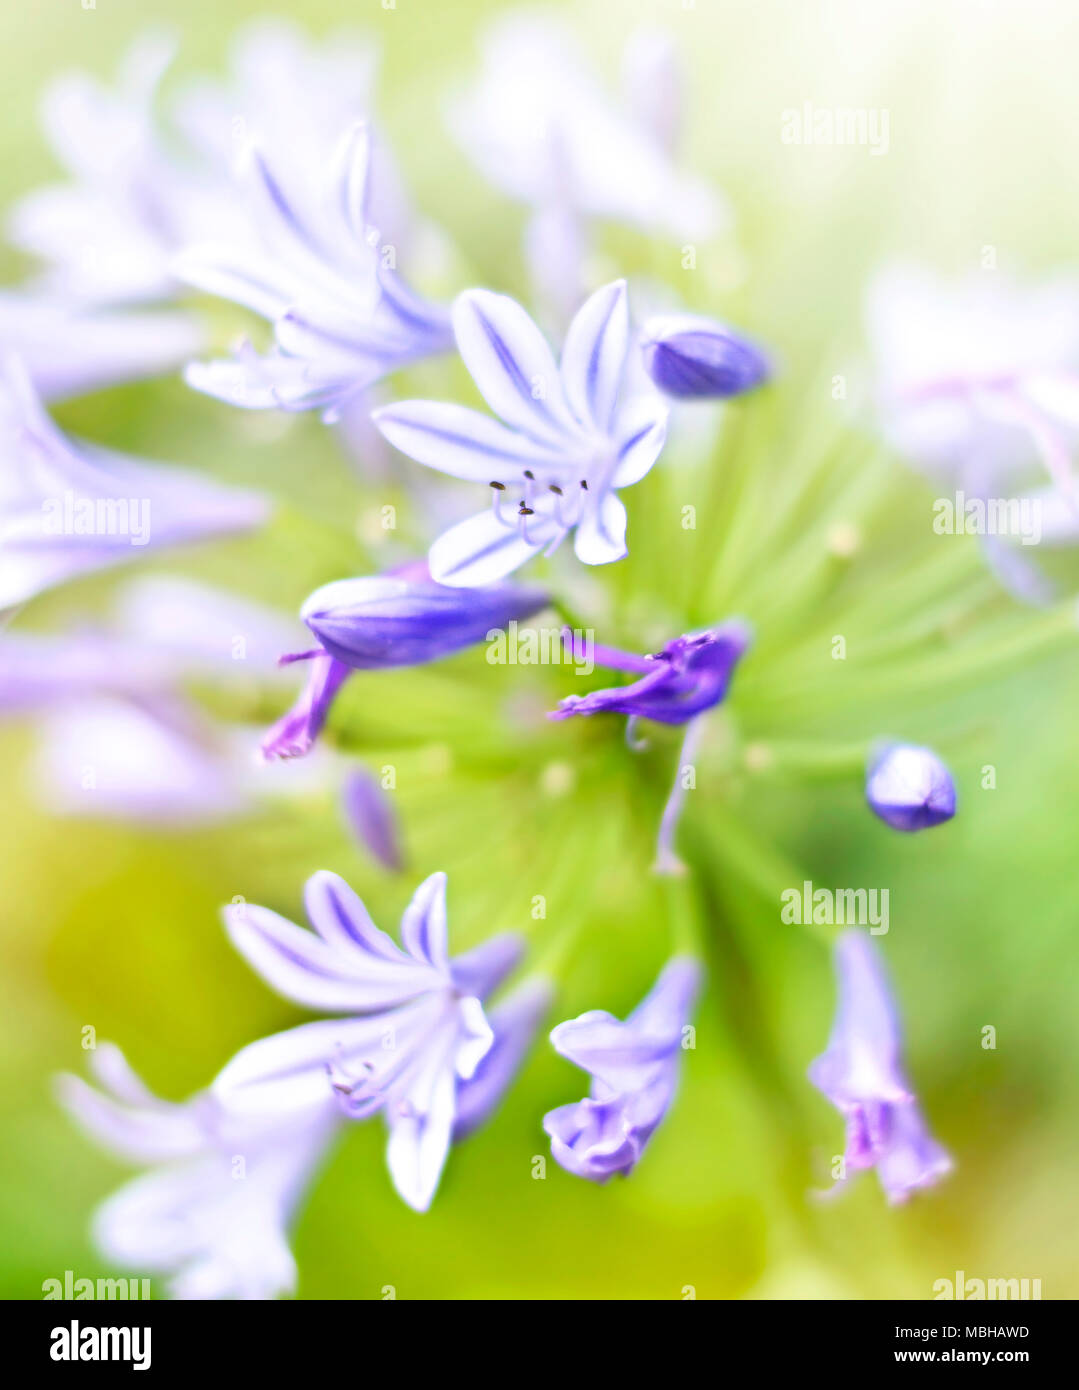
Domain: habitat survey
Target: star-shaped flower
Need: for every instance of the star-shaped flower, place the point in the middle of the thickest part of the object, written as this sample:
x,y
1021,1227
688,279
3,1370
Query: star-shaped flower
x,y
570,435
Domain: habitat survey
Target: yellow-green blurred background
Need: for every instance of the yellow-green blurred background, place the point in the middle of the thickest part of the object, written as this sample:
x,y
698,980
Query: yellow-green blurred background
x,y
117,928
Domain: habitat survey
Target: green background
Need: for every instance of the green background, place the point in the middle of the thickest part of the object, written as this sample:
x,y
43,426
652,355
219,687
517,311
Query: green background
x,y
116,928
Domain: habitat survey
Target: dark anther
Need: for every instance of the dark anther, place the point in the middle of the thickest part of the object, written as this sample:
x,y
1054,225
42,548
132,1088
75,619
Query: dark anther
x,y
525,511
556,489
584,484
530,475
500,486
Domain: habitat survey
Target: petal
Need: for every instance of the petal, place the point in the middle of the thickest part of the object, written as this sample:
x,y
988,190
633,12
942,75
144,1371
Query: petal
x,y
423,926
482,550
141,1133
595,354
483,969
370,815
642,432
340,918
601,533
289,1071
461,442
420,1136
302,967
514,1023
511,363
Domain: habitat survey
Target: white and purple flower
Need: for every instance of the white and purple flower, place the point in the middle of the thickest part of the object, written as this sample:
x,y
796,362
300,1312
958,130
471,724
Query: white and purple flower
x,y
909,787
68,510
413,1035
634,1067
213,1211
862,1074
569,437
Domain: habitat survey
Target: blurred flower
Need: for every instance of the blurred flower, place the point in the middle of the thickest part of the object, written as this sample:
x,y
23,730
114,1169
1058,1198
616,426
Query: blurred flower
x,y
142,188
214,1210
68,510
538,125
117,735
861,1073
342,316
977,380
700,359
68,351
634,1067
683,681
370,816
416,1028
909,788
402,618
571,436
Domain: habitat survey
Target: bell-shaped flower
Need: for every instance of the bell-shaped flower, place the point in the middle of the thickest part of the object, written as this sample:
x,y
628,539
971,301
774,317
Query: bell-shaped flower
x,y
909,788
862,1074
634,1068
570,436
341,314
694,358
412,1028
68,510
213,1211
402,618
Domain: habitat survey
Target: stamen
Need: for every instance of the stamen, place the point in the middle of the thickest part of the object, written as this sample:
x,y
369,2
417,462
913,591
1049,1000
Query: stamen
x,y
497,489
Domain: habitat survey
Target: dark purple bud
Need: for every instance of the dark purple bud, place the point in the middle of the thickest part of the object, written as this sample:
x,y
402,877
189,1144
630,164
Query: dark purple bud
x,y
700,359
909,788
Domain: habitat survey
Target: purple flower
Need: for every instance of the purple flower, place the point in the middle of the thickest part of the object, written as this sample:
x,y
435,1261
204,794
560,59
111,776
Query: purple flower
x,y
398,619
675,686
862,1074
634,1067
214,1210
342,316
569,437
68,352
909,788
690,675
413,1033
66,511
698,359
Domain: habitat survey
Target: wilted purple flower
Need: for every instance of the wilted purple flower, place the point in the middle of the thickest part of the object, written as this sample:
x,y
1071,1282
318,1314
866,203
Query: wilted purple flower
x,y
690,675
415,1028
634,1068
571,437
342,316
861,1073
675,686
67,511
909,788
699,359
214,1210
68,352
398,619
370,816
